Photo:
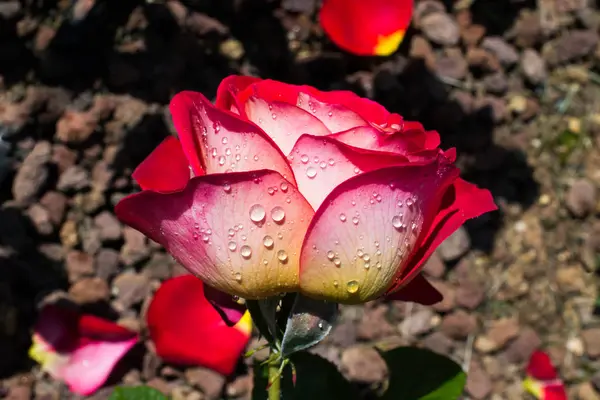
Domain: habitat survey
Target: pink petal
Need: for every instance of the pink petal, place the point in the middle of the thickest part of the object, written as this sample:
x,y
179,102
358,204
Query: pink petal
x,y
166,169
231,311
91,364
283,122
229,88
461,202
214,214
419,290
334,116
322,163
371,138
361,237
222,142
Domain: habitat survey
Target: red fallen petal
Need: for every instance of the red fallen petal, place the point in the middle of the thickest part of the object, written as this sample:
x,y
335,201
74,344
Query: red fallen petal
x,y
554,392
187,330
166,169
461,202
230,310
283,122
222,142
229,88
361,27
269,90
93,327
207,227
361,237
418,290
540,367
335,163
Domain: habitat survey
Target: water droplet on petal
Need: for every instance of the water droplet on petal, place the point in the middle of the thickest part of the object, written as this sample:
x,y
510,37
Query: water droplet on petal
x,y
409,202
277,214
284,187
360,253
282,255
268,242
232,245
227,188
246,251
331,161
224,140
397,222
323,164
311,172
352,286
231,232
356,170
336,283
238,276
222,160
355,220
320,325
337,262
330,255
257,213
304,158
343,217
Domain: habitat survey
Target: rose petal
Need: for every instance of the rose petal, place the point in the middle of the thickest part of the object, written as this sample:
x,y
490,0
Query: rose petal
x,y
230,310
554,392
462,202
419,290
540,367
283,122
216,213
91,363
219,141
229,88
166,169
322,163
334,116
361,27
195,334
360,238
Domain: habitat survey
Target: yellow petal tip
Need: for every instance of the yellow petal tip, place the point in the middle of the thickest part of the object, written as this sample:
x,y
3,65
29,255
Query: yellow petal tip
x,y
387,44
244,325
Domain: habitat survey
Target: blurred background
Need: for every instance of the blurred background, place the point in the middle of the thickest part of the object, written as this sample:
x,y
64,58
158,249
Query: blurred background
x,y
512,84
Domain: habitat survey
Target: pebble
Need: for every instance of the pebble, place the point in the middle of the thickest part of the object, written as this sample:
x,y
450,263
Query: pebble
x,y
440,28
455,246
89,291
591,342
459,324
581,198
363,364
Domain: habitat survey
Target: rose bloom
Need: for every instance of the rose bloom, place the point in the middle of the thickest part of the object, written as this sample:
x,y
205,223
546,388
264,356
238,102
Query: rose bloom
x,y
281,188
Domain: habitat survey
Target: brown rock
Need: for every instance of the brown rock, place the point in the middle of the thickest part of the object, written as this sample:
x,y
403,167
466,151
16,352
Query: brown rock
x,y
102,175
570,46
479,385
52,251
439,343
571,279
440,28
581,198
421,49
240,388
502,331
427,7
68,234
56,204
417,323
79,265
131,288
533,66
482,59
505,52
211,383
107,263
73,178
108,225
520,349
41,219
63,157
591,341
33,174
496,83
495,106
374,324
135,248
89,290
76,126
528,29
160,384
343,334
472,35
585,391
459,324
455,246
470,294
434,266
19,392
363,364
90,238
451,65
447,290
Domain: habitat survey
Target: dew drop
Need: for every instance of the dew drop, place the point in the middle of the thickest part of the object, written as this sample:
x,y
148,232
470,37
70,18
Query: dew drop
x,y
277,214
304,158
238,157
311,172
257,213
409,202
414,227
355,220
232,245
336,283
205,238
367,265
337,262
331,161
238,276
330,114
400,204
330,255
284,187
320,325
228,151
378,265
255,158
195,236
360,253
323,164
222,160
352,286
246,251
343,217
273,116
271,191
227,188
224,140
231,232
282,255
397,222
356,170
366,257
213,152
268,242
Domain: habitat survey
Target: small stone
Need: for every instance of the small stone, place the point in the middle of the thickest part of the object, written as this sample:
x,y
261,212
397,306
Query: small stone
x,y
596,381
498,335
585,391
52,251
482,59
447,291
343,334
591,341
455,246
417,323
56,204
108,225
73,178
19,392
528,29
31,177
135,248
68,234
434,266
131,288
452,65
211,383
572,279
89,291
459,324
78,265
479,384
520,349
496,107
581,198
76,126
240,387
496,83
374,324
160,384
41,219
421,49
470,294
533,67
106,263
363,364
90,238
440,28
506,53
63,157
571,46
439,343
472,35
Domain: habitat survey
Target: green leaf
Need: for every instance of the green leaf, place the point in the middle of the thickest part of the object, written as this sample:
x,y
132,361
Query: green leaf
x,y
309,322
259,320
316,378
422,374
136,393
